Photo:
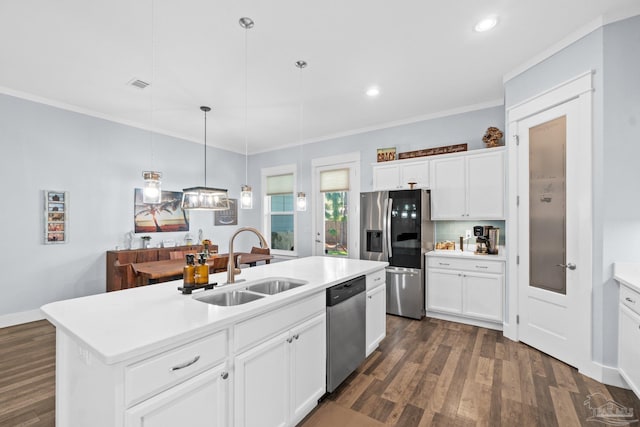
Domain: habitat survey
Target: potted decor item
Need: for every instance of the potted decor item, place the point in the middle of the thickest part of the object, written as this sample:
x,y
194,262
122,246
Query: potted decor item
x,y
145,241
492,137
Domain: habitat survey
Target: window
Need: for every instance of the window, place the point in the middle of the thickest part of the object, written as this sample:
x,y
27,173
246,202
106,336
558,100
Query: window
x,y
334,186
279,206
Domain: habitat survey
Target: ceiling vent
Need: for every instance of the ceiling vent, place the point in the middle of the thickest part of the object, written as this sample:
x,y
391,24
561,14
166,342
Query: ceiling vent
x,y
140,84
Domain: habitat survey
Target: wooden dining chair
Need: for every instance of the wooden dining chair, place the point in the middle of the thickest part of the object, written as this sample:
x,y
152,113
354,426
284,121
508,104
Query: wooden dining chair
x,y
219,264
126,276
262,251
180,254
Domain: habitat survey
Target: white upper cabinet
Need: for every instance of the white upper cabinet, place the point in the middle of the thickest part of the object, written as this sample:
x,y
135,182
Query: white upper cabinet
x,y
469,186
398,174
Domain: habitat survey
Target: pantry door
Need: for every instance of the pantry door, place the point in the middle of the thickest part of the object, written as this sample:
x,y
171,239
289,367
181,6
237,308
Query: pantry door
x,y
554,230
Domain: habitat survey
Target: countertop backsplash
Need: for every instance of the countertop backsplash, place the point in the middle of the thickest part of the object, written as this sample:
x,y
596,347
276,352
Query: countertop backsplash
x,y
452,230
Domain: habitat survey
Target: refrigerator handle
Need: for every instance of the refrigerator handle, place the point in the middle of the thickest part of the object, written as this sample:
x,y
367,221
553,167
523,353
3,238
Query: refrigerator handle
x,y
387,231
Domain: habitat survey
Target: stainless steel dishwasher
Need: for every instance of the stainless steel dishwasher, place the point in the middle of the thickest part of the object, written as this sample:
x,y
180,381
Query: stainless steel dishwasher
x,y
346,324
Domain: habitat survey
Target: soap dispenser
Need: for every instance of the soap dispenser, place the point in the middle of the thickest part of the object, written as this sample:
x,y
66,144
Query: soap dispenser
x,y
202,270
189,270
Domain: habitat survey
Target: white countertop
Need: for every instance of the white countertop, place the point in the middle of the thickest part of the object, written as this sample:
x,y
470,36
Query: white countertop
x,y
124,324
627,273
457,253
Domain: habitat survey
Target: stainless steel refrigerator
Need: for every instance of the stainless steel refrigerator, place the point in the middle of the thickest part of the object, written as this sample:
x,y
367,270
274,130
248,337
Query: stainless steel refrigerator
x,y
396,227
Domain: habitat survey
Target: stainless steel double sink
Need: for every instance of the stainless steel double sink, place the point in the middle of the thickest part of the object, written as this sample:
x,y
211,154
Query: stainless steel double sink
x,y
250,292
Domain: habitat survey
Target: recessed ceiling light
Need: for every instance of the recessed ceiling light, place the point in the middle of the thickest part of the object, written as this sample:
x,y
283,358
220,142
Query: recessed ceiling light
x,y
373,91
486,24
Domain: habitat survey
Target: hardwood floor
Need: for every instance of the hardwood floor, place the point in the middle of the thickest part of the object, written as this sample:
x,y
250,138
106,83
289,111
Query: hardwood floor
x,y
27,375
427,373
438,373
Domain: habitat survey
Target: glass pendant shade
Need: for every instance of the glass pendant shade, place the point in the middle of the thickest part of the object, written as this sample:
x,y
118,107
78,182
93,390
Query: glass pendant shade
x,y
205,199
301,202
152,191
246,197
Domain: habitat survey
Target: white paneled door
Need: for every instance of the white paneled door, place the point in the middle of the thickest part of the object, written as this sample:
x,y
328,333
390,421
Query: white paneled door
x,y
554,249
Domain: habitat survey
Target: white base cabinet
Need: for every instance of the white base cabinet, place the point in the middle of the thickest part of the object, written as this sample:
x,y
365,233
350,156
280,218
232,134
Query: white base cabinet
x,y
629,338
280,381
465,290
376,309
199,402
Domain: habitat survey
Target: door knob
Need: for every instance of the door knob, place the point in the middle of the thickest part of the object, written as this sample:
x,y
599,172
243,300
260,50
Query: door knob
x,y
569,265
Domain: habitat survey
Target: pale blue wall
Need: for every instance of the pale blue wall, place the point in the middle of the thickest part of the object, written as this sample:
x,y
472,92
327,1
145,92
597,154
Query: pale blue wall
x,y
612,53
456,129
99,163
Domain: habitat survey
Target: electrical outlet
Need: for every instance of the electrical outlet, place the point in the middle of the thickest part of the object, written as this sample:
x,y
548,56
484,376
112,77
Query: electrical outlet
x,y
467,234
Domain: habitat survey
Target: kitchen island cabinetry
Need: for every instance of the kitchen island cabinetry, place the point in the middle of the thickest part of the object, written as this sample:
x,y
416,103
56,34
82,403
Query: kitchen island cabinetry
x,y
468,186
279,381
628,275
199,402
150,356
467,290
397,174
376,308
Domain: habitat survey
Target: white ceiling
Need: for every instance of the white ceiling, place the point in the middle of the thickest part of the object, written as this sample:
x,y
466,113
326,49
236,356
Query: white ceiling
x,y
423,54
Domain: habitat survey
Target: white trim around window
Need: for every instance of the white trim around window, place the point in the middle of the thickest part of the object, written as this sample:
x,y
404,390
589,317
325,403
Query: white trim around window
x,y
266,212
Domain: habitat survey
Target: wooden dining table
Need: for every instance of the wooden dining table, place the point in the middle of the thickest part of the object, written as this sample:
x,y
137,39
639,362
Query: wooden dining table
x,y
155,271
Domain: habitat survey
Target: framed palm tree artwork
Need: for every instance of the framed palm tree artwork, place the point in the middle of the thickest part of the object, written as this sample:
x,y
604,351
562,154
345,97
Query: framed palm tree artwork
x,y
160,217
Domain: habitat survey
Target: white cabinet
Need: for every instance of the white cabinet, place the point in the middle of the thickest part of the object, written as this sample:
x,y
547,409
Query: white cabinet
x,y
279,381
201,401
465,290
629,337
469,186
376,309
398,174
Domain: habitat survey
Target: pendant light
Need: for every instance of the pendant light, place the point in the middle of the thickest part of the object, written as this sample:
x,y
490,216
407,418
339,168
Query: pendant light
x,y
205,198
301,199
152,189
246,195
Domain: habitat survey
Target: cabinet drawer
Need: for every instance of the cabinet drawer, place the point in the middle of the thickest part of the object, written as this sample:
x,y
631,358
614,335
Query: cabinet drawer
x,y
376,279
263,327
630,298
153,375
478,265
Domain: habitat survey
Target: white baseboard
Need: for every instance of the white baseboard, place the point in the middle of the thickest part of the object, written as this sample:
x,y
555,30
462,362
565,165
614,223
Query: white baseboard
x,y
20,317
605,374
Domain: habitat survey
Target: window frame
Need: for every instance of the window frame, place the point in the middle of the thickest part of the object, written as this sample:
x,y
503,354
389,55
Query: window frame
x,y
266,212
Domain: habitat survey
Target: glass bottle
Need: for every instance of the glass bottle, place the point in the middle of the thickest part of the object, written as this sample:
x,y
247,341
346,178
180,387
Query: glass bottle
x,y
189,270
202,274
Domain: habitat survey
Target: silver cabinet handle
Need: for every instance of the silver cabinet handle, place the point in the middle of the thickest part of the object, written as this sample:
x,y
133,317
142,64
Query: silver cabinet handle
x,y
482,266
377,279
224,375
443,263
569,265
296,336
370,297
629,300
185,364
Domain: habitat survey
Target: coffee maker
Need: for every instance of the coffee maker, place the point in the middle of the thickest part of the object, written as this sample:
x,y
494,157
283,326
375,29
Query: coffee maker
x,y
487,239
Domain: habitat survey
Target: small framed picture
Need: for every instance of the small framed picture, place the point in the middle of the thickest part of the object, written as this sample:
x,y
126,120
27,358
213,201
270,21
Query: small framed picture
x,y
56,215
227,217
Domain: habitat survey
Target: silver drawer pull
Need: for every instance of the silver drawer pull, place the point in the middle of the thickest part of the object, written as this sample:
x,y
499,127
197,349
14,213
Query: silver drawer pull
x,y
296,336
370,297
629,300
185,364
482,266
443,263
289,340
377,279
224,375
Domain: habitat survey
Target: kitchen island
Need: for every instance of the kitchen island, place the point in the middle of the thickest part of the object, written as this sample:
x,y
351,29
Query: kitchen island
x,y
152,356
